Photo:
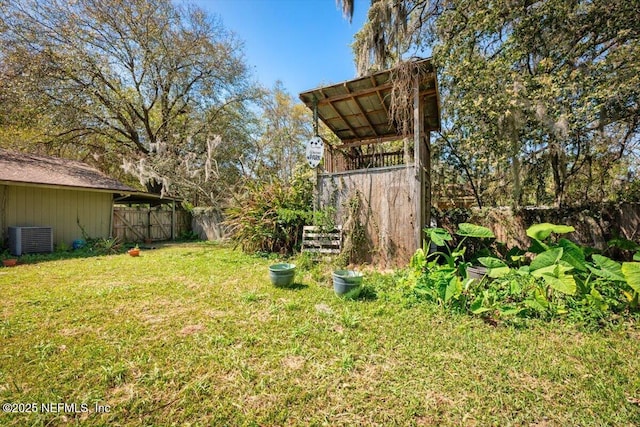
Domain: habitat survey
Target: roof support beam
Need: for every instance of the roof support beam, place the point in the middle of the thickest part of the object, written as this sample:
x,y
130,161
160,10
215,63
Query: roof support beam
x,y
366,118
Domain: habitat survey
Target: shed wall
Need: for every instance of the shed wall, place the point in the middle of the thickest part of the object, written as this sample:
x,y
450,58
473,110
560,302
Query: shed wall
x,y
57,208
387,210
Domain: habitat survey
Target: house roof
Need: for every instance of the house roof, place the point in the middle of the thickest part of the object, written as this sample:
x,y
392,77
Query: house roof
x,y
357,110
31,169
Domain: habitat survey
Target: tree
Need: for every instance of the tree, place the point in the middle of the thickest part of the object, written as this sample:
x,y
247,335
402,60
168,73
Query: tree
x,y
546,90
286,127
143,80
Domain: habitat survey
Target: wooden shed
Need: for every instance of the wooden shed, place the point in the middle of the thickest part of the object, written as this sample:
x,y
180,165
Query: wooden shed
x,y
377,166
66,195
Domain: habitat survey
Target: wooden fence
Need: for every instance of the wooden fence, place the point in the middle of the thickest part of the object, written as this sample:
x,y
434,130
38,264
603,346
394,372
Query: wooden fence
x,y
142,224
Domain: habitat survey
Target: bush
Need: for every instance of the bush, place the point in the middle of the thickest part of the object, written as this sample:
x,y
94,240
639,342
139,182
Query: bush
x,y
268,217
561,280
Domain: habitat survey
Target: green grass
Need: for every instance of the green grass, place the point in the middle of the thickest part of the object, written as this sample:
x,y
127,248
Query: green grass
x,y
195,334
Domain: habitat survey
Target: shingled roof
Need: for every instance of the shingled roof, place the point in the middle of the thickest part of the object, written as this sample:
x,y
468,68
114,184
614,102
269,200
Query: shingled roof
x,y
23,168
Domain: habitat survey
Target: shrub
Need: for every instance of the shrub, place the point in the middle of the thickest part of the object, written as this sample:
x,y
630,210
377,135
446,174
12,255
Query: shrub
x,y
562,279
268,217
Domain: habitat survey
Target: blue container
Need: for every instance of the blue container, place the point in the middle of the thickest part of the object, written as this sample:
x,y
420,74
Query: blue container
x,y
78,244
282,274
347,283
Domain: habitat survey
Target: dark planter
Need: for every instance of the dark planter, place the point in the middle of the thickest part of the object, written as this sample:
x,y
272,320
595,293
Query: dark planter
x,y
478,272
282,274
347,283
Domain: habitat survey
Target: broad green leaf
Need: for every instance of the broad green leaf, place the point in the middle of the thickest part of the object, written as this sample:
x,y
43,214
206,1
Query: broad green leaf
x,y
544,230
535,304
564,283
537,247
624,244
492,262
631,271
573,255
514,287
472,230
496,268
546,259
555,270
509,310
453,289
550,269
477,307
496,273
607,268
636,256
418,260
439,236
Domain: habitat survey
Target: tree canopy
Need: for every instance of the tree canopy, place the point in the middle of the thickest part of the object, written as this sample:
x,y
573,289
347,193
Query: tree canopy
x,y
161,86
538,96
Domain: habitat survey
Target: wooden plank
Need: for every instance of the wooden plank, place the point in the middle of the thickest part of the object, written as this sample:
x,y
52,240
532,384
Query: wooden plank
x,y
128,225
166,232
418,164
367,91
315,240
322,250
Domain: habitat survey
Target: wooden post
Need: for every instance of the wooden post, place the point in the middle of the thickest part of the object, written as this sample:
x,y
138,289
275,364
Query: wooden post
x,y
418,164
427,179
173,220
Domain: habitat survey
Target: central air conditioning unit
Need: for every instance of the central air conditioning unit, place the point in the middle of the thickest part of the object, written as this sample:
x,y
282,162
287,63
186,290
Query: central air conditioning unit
x,y
30,240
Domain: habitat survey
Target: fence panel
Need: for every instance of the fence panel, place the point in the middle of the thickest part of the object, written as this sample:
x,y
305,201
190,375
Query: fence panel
x,y
139,224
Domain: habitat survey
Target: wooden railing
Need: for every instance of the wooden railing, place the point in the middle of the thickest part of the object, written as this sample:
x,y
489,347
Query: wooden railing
x,y
339,161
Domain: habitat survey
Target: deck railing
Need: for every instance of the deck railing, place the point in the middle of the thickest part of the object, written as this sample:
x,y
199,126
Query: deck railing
x,y
340,161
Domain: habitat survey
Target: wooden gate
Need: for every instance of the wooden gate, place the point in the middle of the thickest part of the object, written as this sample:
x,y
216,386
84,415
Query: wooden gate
x,y
140,224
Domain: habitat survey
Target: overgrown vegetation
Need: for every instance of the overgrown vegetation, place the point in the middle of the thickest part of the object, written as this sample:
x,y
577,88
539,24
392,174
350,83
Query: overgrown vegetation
x,y
196,334
553,278
269,216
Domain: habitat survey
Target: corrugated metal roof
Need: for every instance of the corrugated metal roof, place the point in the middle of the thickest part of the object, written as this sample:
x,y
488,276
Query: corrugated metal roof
x,y
358,110
34,169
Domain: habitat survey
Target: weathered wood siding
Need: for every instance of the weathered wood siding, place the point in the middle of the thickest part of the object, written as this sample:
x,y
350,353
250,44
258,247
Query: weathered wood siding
x,y
387,210
57,208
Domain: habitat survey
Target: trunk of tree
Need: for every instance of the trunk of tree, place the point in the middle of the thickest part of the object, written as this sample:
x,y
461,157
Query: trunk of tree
x,y
558,180
515,169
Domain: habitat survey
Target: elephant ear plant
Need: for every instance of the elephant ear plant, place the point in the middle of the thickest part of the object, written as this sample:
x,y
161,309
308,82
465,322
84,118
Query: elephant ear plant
x,y
445,283
565,278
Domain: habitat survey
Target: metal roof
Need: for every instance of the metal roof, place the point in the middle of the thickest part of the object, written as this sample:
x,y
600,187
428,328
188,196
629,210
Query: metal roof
x,y
357,111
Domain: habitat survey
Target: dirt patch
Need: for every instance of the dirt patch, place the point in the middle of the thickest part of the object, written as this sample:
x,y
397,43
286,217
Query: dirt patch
x,y
294,362
191,329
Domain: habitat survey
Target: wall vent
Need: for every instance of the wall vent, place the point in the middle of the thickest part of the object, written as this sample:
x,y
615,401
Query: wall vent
x,y
29,240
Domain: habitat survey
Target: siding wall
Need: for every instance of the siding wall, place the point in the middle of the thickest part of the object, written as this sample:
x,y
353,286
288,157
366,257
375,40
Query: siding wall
x,y
60,209
387,210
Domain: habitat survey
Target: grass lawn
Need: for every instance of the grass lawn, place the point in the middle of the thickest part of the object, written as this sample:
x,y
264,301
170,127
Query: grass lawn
x,y
195,334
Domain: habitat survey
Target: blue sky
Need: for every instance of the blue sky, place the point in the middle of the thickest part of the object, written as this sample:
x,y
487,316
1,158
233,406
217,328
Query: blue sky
x,y
303,43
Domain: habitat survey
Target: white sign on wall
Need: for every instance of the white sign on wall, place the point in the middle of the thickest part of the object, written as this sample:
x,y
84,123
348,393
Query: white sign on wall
x,y
315,150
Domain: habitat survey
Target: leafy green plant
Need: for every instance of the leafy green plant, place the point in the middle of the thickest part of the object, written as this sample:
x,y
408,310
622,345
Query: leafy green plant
x,y
108,246
562,278
269,217
446,284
